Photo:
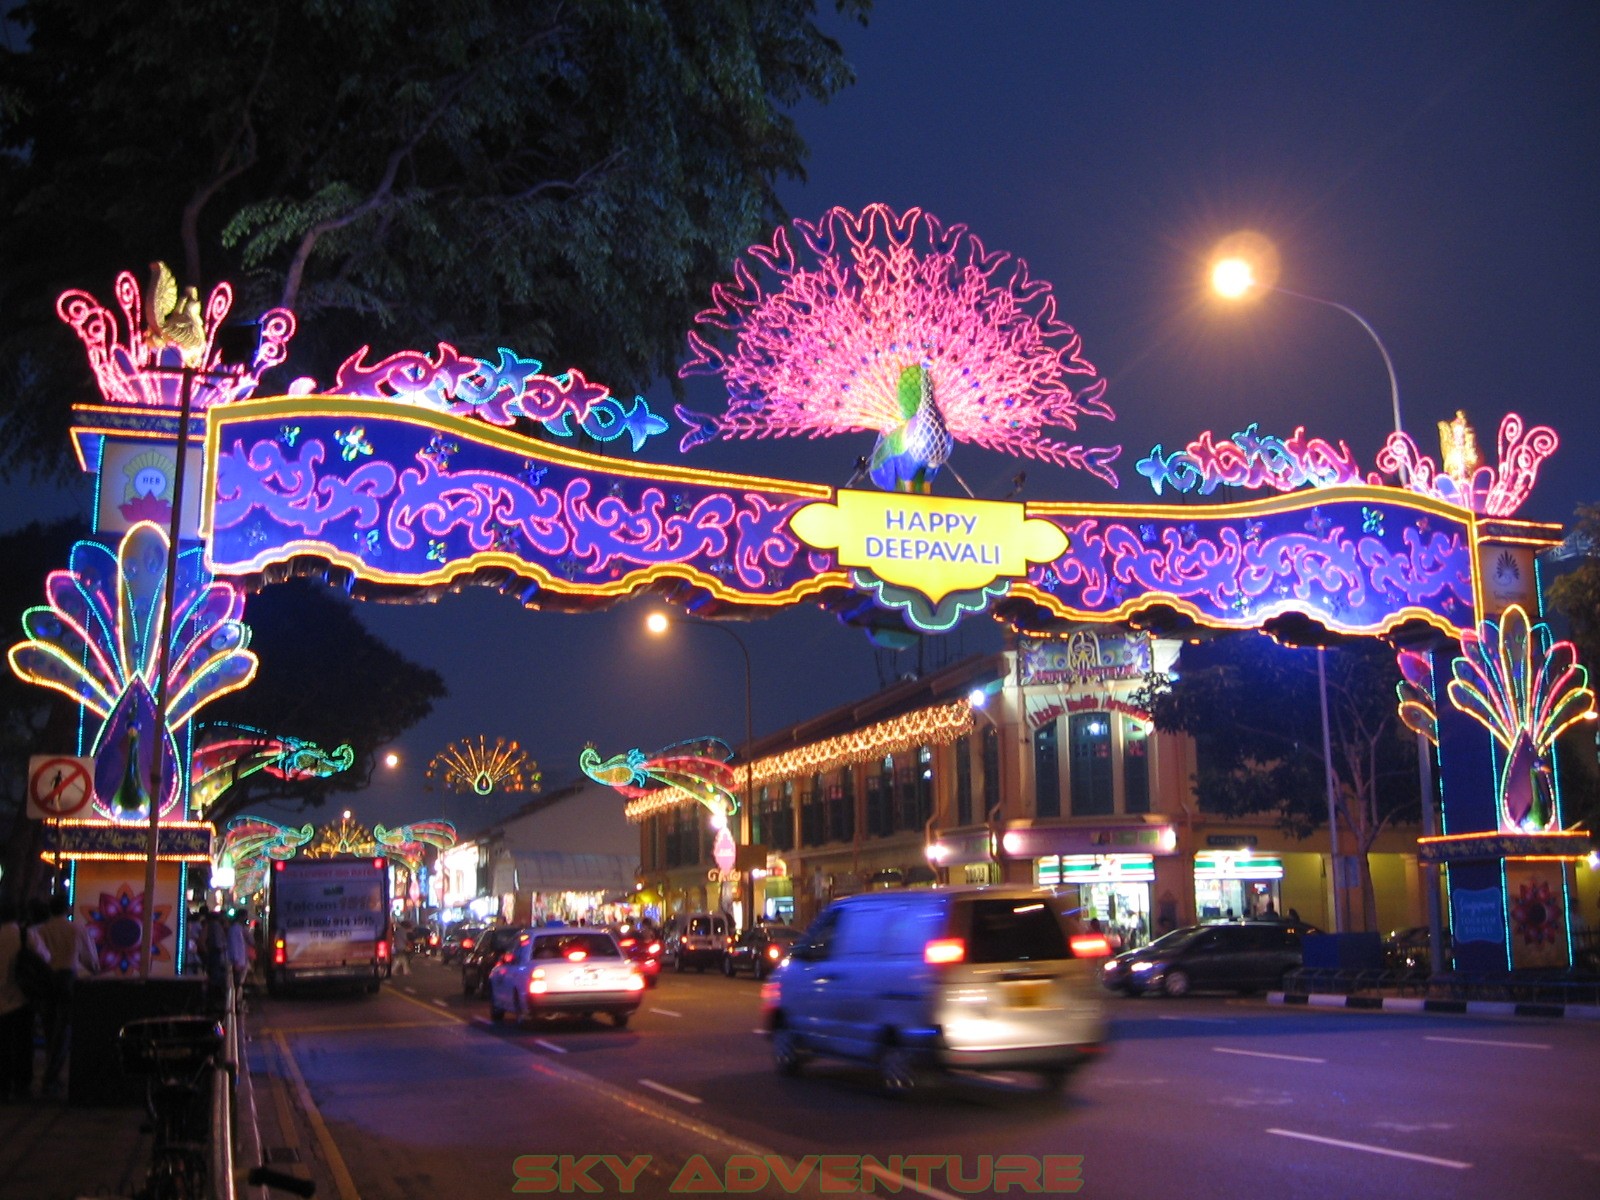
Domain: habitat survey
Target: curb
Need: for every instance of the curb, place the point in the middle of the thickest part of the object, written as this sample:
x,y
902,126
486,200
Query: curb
x,y
1415,1004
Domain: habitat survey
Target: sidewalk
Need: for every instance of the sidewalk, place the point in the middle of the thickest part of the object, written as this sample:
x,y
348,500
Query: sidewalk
x,y
1386,1002
50,1150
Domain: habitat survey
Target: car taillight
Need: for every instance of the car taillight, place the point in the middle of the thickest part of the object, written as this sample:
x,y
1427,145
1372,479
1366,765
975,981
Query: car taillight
x,y
577,955
771,995
1090,945
635,980
774,952
536,982
278,953
466,943
433,939
653,948
626,942
944,950
383,949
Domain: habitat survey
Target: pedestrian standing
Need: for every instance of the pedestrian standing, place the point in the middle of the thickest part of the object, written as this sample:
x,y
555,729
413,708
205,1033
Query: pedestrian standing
x,y
214,950
238,952
16,1013
70,951
400,952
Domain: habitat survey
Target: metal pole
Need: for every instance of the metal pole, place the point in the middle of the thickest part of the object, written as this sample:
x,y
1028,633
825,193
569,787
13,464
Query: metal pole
x,y
1430,871
1327,765
164,662
1388,364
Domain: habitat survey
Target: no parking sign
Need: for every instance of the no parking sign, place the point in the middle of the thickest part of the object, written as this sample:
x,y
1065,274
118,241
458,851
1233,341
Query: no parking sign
x,y
59,786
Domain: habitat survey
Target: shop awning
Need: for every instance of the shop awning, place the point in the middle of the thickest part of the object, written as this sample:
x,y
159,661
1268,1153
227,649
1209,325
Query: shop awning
x,y
560,871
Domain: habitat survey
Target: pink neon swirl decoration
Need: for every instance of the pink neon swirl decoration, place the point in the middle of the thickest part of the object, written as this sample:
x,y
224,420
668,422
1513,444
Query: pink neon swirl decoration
x,y
827,320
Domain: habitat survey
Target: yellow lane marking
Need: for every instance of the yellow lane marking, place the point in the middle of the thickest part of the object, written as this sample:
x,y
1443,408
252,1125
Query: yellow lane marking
x,y
330,1150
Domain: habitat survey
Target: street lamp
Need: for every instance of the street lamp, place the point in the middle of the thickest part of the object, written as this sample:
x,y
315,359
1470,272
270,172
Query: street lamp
x,y
658,623
1238,271
1247,263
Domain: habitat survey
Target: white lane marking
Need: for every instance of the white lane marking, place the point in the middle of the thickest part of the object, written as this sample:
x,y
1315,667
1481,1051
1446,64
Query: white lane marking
x,y
1200,1020
1265,1054
896,1182
1384,1150
440,1003
1490,1042
759,1032
409,988
666,1012
550,1046
666,1091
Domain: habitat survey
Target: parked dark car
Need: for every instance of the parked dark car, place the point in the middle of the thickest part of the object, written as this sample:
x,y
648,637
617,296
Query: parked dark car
x,y
422,939
1243,956
491,948
458,941
759,950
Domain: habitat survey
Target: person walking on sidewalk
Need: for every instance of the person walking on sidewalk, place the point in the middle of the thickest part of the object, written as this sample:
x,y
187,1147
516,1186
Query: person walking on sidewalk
x,y
70,952
16,1013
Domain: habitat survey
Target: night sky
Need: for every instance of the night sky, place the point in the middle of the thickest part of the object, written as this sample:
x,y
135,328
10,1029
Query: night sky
x,y
1432,166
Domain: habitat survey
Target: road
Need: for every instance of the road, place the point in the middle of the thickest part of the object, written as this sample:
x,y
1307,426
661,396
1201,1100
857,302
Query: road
x,y
414,1093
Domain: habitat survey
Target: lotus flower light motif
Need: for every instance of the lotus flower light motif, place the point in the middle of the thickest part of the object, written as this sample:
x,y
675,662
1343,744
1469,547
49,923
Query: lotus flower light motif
x,y
97,642
897,324
1525,692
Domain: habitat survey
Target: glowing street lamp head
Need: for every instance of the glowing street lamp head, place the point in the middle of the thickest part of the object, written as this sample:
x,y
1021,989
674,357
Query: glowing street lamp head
x,y
657,622
391,760
1232,278
1244,264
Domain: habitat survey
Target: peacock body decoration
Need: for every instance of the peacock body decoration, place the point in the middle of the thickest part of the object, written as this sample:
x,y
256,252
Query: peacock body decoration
x,y
97,641
407,844
895,324
228,754
695,770
1525,692
251,844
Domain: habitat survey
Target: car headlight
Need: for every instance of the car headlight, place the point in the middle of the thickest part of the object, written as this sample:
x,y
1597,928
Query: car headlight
x,y
1142,967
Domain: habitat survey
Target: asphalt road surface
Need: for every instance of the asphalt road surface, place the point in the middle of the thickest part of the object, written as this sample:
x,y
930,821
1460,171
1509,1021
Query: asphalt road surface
x,y
414,1093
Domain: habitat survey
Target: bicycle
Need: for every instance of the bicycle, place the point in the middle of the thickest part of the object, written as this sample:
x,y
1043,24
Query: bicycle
x,y
175,1055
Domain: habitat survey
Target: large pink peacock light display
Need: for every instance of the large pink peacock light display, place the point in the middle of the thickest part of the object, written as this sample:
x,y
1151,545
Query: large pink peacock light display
x,y
895,324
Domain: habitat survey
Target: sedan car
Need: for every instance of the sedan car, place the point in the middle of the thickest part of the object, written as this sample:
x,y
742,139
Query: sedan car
x,y
490,949
1246,956
459,941
565,972
759,950
643,947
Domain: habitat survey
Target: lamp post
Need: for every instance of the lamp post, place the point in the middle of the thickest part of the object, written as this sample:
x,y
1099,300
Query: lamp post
x,y
1234,276
658,623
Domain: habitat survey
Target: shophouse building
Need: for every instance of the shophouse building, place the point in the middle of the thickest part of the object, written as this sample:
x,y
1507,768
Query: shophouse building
x,y
1033,765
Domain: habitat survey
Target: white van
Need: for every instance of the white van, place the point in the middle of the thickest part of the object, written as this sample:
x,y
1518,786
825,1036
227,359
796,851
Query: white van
x,y
980,978
700,940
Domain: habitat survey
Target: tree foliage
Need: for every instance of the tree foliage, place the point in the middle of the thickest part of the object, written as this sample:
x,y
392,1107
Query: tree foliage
x,y
565,177
1576,594
323,677
1254,711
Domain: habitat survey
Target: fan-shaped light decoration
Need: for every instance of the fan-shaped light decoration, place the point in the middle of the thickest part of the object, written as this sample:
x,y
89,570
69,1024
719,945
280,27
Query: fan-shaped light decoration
x,y
408,843
228,754
476,766
97,642
166,330
1525,692
347,837
1491,491
899,325
695,770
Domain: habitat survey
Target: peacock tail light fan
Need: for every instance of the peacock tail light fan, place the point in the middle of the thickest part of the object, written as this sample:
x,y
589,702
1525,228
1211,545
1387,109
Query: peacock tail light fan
x,y
1525,692
97,639
1415,690
476,766
899,325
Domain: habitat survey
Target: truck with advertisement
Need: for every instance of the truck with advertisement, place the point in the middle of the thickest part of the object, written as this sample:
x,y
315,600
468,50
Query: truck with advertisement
x,y
328,922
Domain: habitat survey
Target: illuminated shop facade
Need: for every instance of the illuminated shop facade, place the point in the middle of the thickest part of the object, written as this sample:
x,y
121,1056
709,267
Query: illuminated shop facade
x,y
1033,765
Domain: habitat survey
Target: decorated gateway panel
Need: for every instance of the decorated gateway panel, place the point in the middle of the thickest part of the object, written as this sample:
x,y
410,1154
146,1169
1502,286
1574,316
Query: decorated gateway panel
x,y
412,497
